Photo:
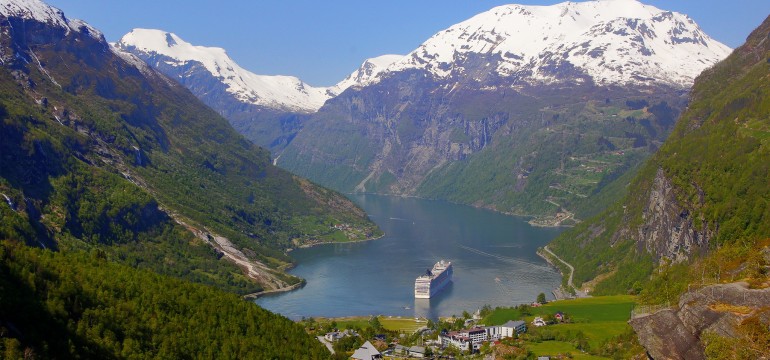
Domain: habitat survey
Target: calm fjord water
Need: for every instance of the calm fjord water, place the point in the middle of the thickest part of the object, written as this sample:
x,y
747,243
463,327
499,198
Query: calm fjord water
x,y
493,257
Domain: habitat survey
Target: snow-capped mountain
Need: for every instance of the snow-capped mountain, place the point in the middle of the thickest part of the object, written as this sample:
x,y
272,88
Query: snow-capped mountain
x,y
614,42
368,73
44,13
177,58
160,48
485,111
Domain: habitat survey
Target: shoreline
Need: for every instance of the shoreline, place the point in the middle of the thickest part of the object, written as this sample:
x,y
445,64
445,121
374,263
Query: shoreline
x,y
259,294
306,246
558,293
289,266
533,220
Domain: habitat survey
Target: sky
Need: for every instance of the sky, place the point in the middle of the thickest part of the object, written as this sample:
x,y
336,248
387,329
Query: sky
x,y
322,41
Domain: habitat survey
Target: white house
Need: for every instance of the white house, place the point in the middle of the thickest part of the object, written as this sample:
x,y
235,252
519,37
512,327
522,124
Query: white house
x,y
336,335
539,322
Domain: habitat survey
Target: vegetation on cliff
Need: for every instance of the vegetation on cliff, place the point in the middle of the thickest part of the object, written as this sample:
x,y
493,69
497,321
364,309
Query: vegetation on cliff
x,y
715,166
100,152
68,305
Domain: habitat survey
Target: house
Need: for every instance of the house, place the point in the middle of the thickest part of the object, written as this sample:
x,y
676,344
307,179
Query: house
x,y
367,351
465,340
417,351
333,336
539,322
401,350
559,316
336,335
543,358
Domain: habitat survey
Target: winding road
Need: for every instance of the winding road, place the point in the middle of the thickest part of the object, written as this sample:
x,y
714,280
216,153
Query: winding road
x,y
571,269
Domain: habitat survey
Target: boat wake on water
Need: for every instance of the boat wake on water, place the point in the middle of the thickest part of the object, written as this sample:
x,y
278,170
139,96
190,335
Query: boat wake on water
x,y
507,259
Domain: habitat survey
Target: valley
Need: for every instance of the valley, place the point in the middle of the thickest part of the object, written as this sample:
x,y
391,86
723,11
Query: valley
x,y
159,200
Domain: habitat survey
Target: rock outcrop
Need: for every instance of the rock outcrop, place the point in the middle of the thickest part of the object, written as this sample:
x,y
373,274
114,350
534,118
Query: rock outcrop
x,y
676,333
668,230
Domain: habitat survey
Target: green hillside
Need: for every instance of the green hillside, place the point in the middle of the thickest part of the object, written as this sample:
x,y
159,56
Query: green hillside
x,y
78,305
558,154
717,162
100,153
567,165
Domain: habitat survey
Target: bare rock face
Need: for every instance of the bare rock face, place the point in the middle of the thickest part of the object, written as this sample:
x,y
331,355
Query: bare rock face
x,y
676,333
665,337
669,231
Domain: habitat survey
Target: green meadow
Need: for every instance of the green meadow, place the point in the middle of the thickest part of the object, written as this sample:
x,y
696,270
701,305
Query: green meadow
x,y
598,318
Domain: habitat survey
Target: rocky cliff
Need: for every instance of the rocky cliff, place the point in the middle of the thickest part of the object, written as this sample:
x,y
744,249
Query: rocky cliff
x,y
721,310
696,214
531,110
668,229
705,188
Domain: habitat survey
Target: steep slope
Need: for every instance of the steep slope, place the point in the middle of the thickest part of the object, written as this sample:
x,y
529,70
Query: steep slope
x,y
697,216
368,73
268,110
74,305
193,64
100,151
707,186
533,110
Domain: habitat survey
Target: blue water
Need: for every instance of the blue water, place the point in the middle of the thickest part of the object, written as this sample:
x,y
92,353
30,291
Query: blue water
x,y
493,257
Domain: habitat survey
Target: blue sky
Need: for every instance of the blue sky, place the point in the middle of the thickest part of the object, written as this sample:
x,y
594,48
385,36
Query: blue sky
x,y
321,42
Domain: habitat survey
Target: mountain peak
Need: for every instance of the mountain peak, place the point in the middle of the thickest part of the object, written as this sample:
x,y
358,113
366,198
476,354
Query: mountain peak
x,y
39,11
286,93
168,44
613,42
368,73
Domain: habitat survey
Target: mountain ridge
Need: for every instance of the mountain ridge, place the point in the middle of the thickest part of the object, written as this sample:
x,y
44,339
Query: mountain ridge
x,y
458,109
529,43
102,152
274,91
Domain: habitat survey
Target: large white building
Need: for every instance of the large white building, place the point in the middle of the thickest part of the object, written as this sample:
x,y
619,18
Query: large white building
x,y
508,329
465,340
471,339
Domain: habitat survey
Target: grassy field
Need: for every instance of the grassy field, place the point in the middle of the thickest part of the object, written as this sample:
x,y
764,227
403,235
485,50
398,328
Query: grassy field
x,y
588,310
407,325
395,323
599,318
559,347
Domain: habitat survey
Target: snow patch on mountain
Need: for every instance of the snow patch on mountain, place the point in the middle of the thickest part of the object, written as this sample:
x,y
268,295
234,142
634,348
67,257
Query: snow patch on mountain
x,y
285,93
275,91
39,11
368,73
618,42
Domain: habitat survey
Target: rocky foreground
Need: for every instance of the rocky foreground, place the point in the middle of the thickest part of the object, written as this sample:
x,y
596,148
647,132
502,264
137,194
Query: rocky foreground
x,y
677,333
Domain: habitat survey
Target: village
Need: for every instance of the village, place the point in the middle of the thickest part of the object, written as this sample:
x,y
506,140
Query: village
x,y
447,338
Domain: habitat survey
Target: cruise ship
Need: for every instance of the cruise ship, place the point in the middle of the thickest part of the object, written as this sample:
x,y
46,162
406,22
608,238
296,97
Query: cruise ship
x,y
433,281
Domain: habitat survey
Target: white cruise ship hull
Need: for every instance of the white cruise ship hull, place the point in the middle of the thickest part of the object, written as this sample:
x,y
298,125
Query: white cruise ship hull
x,y
426,286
